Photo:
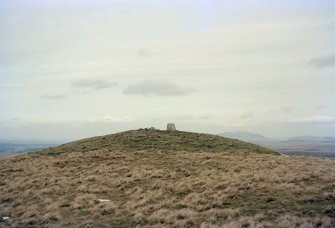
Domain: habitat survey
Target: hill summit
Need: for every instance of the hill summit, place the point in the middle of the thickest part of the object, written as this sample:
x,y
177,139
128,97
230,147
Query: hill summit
x,y
151,139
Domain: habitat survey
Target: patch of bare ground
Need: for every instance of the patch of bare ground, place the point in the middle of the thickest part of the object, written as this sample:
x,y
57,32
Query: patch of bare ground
x,y
165,188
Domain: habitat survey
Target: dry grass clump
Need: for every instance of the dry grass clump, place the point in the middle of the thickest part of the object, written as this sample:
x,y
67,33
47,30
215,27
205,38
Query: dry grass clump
x,y
103,209
284,221
84,201
166,189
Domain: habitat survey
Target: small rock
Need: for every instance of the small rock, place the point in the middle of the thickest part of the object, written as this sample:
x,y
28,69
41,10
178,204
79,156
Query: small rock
x,y
2,219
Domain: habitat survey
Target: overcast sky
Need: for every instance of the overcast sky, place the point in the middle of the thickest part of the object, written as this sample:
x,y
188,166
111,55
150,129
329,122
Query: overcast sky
x,y
73,69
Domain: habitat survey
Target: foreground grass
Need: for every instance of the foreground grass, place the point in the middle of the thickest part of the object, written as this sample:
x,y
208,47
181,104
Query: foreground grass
x,y
166,189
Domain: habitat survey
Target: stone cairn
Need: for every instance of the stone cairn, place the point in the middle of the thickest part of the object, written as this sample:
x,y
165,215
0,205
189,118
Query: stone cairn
x,y
171,127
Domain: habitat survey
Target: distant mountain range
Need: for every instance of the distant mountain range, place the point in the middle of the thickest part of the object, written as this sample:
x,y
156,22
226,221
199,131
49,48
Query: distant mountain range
x,y
254,137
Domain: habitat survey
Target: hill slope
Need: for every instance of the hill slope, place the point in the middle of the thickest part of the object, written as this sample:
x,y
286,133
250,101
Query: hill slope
x,y
157,140
106,182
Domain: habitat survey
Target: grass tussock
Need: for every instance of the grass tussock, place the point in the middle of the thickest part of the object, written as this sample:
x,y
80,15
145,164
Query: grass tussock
x,y
166,189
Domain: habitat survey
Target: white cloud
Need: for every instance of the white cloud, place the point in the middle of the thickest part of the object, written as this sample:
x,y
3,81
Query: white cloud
x,y
237,125
117,119
54,97
315,119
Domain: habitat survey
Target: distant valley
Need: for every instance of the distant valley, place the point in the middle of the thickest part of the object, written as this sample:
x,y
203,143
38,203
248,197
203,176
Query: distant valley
x,y
300,145
12,148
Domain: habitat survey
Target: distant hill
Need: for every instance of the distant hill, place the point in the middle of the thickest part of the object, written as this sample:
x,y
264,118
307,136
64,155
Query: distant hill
x,y
244,135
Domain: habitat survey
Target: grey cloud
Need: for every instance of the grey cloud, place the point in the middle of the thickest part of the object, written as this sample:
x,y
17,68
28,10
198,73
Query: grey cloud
x,y
55,97
323,61
144,52
288,109
94,84
246,115
15,119
322,106
156,88
181,117
205,117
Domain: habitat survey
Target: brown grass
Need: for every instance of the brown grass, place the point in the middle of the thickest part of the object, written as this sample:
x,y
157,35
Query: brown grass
x,y
166,189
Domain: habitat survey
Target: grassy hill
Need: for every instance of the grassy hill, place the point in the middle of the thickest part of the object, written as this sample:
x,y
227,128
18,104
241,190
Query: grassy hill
x,y
152,178
161,141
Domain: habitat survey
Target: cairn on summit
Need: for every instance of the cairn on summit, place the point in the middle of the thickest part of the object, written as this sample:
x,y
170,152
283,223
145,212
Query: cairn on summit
x,y
171,127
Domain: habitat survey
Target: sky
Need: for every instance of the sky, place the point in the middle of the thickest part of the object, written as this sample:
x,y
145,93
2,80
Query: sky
x,y
74,69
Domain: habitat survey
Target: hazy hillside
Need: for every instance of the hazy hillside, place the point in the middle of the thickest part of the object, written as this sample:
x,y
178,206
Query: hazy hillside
x,y
243,135
151,178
